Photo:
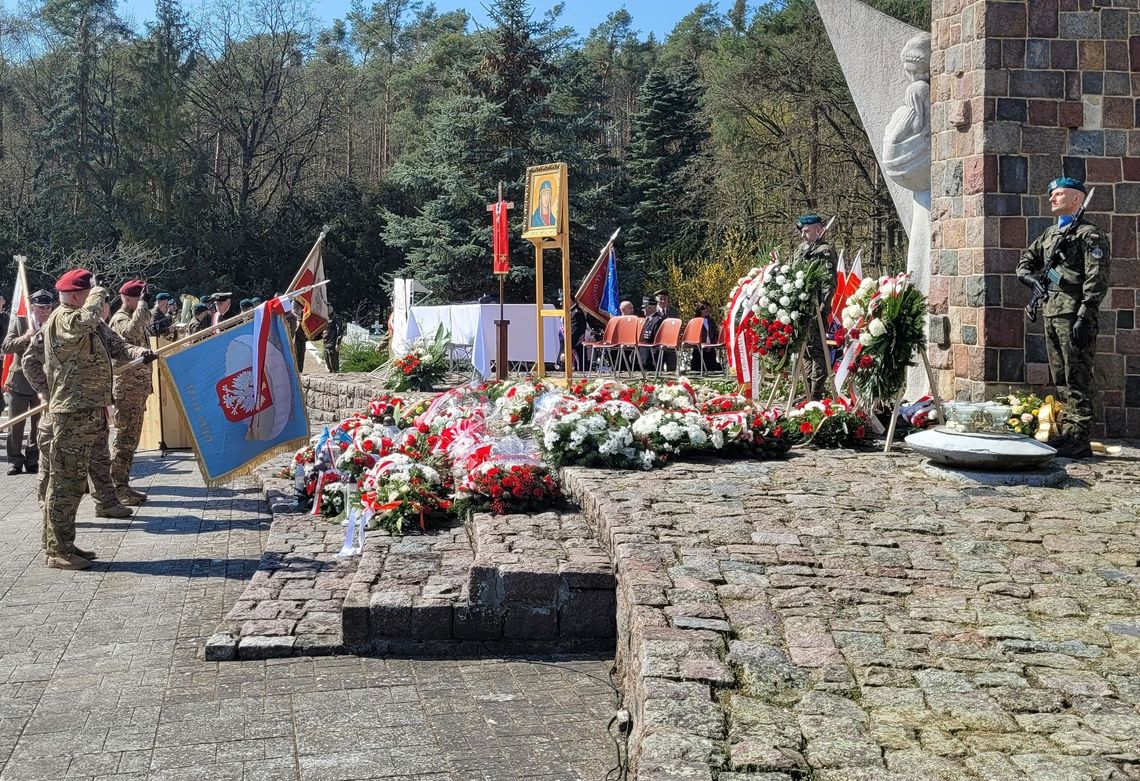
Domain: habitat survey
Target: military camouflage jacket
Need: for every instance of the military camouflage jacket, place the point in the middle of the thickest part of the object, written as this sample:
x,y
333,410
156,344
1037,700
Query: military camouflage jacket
x,y
824,253
132,385
1082,274
15,343
78,348
32,364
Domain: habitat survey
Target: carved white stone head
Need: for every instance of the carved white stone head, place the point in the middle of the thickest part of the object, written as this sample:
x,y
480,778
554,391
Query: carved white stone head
x,y
916,57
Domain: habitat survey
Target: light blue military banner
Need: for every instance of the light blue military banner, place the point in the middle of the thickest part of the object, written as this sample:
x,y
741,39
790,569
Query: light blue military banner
x,y
232,427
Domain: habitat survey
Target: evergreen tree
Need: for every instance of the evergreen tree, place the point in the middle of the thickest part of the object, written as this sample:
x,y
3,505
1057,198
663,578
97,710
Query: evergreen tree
x,y
669,134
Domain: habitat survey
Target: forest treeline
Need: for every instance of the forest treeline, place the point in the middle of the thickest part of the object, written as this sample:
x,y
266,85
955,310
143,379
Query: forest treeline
x,y
207,150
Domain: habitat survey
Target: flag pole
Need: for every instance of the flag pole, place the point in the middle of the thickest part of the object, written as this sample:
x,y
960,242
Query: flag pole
x,y
167,348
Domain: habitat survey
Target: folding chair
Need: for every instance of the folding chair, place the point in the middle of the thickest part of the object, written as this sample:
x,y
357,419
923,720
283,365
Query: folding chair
x,y
605,344
694,330
668,338
627,340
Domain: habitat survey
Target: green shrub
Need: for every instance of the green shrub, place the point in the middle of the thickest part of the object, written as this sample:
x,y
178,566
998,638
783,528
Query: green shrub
x,y
361,356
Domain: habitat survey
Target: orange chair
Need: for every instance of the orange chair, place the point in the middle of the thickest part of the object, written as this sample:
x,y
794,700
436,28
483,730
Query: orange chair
x,y
694,330
668,338
607,342
627,338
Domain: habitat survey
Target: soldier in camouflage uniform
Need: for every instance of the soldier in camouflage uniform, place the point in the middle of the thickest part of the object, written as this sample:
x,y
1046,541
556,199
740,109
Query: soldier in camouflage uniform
x,y
102,487
811,229
77,363
1072,270
131,388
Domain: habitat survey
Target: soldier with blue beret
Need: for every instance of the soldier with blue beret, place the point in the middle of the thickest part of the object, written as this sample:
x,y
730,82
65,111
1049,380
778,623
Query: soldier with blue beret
x,y
1068,266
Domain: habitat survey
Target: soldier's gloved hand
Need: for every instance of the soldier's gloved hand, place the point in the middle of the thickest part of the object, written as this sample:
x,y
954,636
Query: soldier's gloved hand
x,y
149,357
1038,284
1082,332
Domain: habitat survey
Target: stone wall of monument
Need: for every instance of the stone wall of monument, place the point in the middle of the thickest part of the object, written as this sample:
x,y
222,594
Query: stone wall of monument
x,y
1024,92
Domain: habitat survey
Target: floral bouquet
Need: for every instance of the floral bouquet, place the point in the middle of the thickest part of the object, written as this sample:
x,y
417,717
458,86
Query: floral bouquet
x,y
784,306
827,423
333,503
588,435
353,462
753,432
1023,413
512,488
672,395
639,395
400,491
883,324
516,403
384,405
423,367
669,432
726,402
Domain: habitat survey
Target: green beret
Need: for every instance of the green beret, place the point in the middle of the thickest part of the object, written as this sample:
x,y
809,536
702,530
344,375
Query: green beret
x,y
808,219
1068,183
164,297
245,302
200,308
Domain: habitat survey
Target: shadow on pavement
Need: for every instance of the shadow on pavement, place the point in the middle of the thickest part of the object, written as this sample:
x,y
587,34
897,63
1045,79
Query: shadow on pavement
x,y
240,569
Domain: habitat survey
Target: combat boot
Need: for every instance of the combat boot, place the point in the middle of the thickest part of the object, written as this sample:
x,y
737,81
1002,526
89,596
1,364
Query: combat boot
x,y
141,496
129,500
66,561
90,555
112,511
1074,446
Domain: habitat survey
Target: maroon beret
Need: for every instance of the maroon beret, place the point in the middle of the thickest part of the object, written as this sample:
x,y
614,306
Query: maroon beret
x,y
75,280
133,289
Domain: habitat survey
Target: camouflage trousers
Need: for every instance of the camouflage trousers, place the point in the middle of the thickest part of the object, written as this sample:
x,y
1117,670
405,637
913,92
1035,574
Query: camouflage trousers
x,y
128,429
75,436
1072,369
98,469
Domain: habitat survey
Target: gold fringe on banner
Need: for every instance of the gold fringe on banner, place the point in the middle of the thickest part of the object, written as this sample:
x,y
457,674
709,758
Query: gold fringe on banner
x,y
252,464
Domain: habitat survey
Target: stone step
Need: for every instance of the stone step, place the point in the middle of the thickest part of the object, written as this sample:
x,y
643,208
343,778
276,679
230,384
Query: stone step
x,y
505,583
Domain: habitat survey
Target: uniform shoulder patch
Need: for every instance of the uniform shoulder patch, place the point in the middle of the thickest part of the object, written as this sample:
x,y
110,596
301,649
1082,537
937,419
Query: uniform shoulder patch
x,y
1097,253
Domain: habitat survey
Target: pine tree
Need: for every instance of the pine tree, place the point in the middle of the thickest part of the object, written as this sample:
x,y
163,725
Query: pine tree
x,y
669,134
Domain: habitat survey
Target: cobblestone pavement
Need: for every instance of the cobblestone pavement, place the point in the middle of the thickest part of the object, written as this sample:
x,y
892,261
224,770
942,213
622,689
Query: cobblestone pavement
x,y
100,676
849,617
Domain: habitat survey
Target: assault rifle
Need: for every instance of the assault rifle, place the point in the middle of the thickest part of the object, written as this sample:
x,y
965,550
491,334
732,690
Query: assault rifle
x,y
1033,308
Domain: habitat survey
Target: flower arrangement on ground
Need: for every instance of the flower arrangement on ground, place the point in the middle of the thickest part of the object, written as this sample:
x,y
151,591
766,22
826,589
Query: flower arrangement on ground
x,y
586,434
669,432
422,367
827,423
333,503
883,324
753,432
673,395
512,488
400,492
1024,411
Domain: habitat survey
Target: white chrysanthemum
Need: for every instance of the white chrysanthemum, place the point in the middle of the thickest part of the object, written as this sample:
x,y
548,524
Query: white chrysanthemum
x,y
866,339
785,301
785,319
772,308
781,279
877,328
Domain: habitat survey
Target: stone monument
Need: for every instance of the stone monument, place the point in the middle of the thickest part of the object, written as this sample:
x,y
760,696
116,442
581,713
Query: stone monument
x,y
1022,91
889,77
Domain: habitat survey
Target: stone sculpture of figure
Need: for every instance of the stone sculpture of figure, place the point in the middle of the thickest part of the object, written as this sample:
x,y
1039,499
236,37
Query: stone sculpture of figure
x,y
906,146
906,160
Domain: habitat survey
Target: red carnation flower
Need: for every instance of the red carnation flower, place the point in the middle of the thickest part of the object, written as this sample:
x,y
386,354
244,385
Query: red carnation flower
x,y
805,427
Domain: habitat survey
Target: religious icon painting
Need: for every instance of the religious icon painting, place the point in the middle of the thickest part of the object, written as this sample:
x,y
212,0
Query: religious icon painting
x,y
545,201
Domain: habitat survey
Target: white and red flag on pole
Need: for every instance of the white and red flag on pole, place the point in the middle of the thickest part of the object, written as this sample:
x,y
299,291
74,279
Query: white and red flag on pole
x,y
21,307
315,301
